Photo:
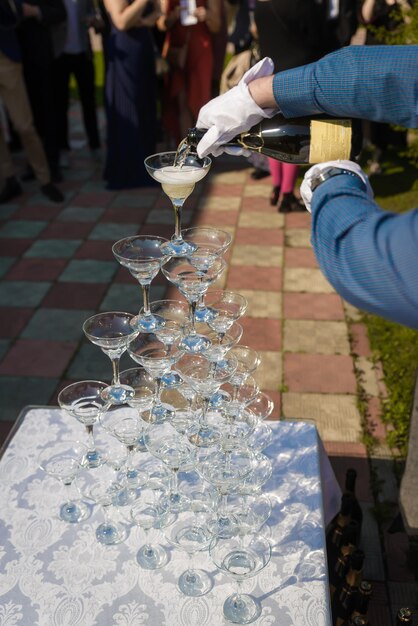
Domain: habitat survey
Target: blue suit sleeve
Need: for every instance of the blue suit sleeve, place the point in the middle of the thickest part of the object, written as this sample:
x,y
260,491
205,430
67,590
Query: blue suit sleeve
x,y
377,83
370,256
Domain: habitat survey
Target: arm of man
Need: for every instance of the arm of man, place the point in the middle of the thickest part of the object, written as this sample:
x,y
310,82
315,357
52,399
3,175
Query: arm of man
x,y
369,255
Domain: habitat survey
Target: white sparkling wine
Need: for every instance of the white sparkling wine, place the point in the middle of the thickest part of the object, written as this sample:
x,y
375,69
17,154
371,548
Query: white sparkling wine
x,y
179,181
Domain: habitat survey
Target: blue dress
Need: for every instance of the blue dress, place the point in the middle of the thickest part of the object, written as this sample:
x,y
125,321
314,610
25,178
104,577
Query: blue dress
x,y
130,101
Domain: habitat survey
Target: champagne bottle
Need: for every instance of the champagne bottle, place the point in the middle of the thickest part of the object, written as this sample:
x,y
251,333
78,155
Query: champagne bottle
x,y
350,487
363,599
359,621
335,530
348,545
404,617
345,596
297,140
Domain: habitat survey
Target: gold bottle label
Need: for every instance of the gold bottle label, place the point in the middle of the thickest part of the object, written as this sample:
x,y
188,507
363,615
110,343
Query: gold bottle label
x,y
330,140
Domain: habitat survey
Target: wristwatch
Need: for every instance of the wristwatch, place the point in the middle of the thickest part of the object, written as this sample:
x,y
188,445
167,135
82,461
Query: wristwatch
x,y
329,172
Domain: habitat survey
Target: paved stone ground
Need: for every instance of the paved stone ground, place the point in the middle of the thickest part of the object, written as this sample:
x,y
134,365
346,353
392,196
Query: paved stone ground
x,y
57,269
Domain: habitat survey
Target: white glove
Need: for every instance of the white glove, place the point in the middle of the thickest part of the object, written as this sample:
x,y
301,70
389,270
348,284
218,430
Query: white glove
x,y
312,173
232,113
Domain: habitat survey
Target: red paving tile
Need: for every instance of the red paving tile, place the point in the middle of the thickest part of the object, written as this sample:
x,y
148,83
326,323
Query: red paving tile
x,y
379,611
360,340
5,428
14,247
219,189
38,213
396,547
343,448
300,257
298,220
248,277
75,296
312,306
262,333
319,373
32,357
37,269
257,203
161,230
67,230
349,458
13,320
276,396
220,218
98,250
253,236
127,215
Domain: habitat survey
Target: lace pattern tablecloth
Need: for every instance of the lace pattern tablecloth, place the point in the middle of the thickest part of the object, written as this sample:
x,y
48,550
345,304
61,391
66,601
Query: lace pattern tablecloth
x,y
57,574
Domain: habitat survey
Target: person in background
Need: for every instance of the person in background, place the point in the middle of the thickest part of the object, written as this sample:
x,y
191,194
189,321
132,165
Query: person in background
x,y
387,15
76,59
368,254
290,32
131,87
36,32
15,98
188,49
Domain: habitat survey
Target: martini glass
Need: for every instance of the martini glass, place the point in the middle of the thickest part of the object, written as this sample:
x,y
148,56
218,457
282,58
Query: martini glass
x,y
223,308
147,513
84,401
241,558
176,453
112,332
64,460
191,534
144,388
157,358
142,255
205,378
178,182
192,284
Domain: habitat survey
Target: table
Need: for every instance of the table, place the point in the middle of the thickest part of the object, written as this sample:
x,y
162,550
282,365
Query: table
x,y
57,574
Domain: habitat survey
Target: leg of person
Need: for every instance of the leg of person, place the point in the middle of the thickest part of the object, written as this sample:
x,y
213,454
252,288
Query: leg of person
x,y
16,100
61,86
83,69
288,201
11,188
276,174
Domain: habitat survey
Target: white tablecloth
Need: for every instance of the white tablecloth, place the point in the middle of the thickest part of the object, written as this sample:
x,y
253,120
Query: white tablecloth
x,y
57,574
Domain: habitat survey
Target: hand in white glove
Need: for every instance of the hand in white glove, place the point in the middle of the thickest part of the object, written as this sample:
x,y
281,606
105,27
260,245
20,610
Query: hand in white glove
x,y
312,173
232,113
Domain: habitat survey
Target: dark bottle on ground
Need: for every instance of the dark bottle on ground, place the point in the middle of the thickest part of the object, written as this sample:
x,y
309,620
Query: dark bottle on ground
x,y
346,595
404,617
300,140
337,573
335,530
361,605
350,487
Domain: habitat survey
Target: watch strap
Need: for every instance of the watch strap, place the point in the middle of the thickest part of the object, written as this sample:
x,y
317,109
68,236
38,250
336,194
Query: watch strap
x,y
330,172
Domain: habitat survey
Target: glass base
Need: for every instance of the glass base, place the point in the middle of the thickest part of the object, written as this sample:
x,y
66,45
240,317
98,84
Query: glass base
x,y
117,394
147,323
195,344
195,583
93,459
125,496
136,478
241,609
162,413
74,512
140,444
204,314
110,533
203,436
152,557
171,380
177,247
175,502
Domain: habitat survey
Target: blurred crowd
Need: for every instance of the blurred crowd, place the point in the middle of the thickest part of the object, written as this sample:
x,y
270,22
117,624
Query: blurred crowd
x,y
163,60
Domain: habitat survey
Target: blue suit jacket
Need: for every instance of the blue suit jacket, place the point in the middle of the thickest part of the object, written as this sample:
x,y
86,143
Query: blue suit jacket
x,y
369,255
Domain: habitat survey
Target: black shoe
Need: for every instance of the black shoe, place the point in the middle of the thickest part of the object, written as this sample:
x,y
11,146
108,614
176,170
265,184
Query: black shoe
x,y
259,173
28,174
274,196
52,193
291,203
11,190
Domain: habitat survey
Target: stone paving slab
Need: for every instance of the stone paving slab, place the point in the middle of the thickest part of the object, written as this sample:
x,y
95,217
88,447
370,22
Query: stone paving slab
x,y
319,337
263,303
261,256
301,279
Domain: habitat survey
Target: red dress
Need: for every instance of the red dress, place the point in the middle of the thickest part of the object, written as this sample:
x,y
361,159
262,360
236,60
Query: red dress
x,y
195,78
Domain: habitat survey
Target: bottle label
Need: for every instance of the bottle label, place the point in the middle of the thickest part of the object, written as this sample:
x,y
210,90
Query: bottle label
x,y
330,140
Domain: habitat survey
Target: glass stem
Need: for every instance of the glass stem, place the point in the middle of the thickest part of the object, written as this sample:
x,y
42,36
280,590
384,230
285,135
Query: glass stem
x,y
205,405
177,205
115,369
147,546
192,311
91,446
145,297
129,465
174,482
